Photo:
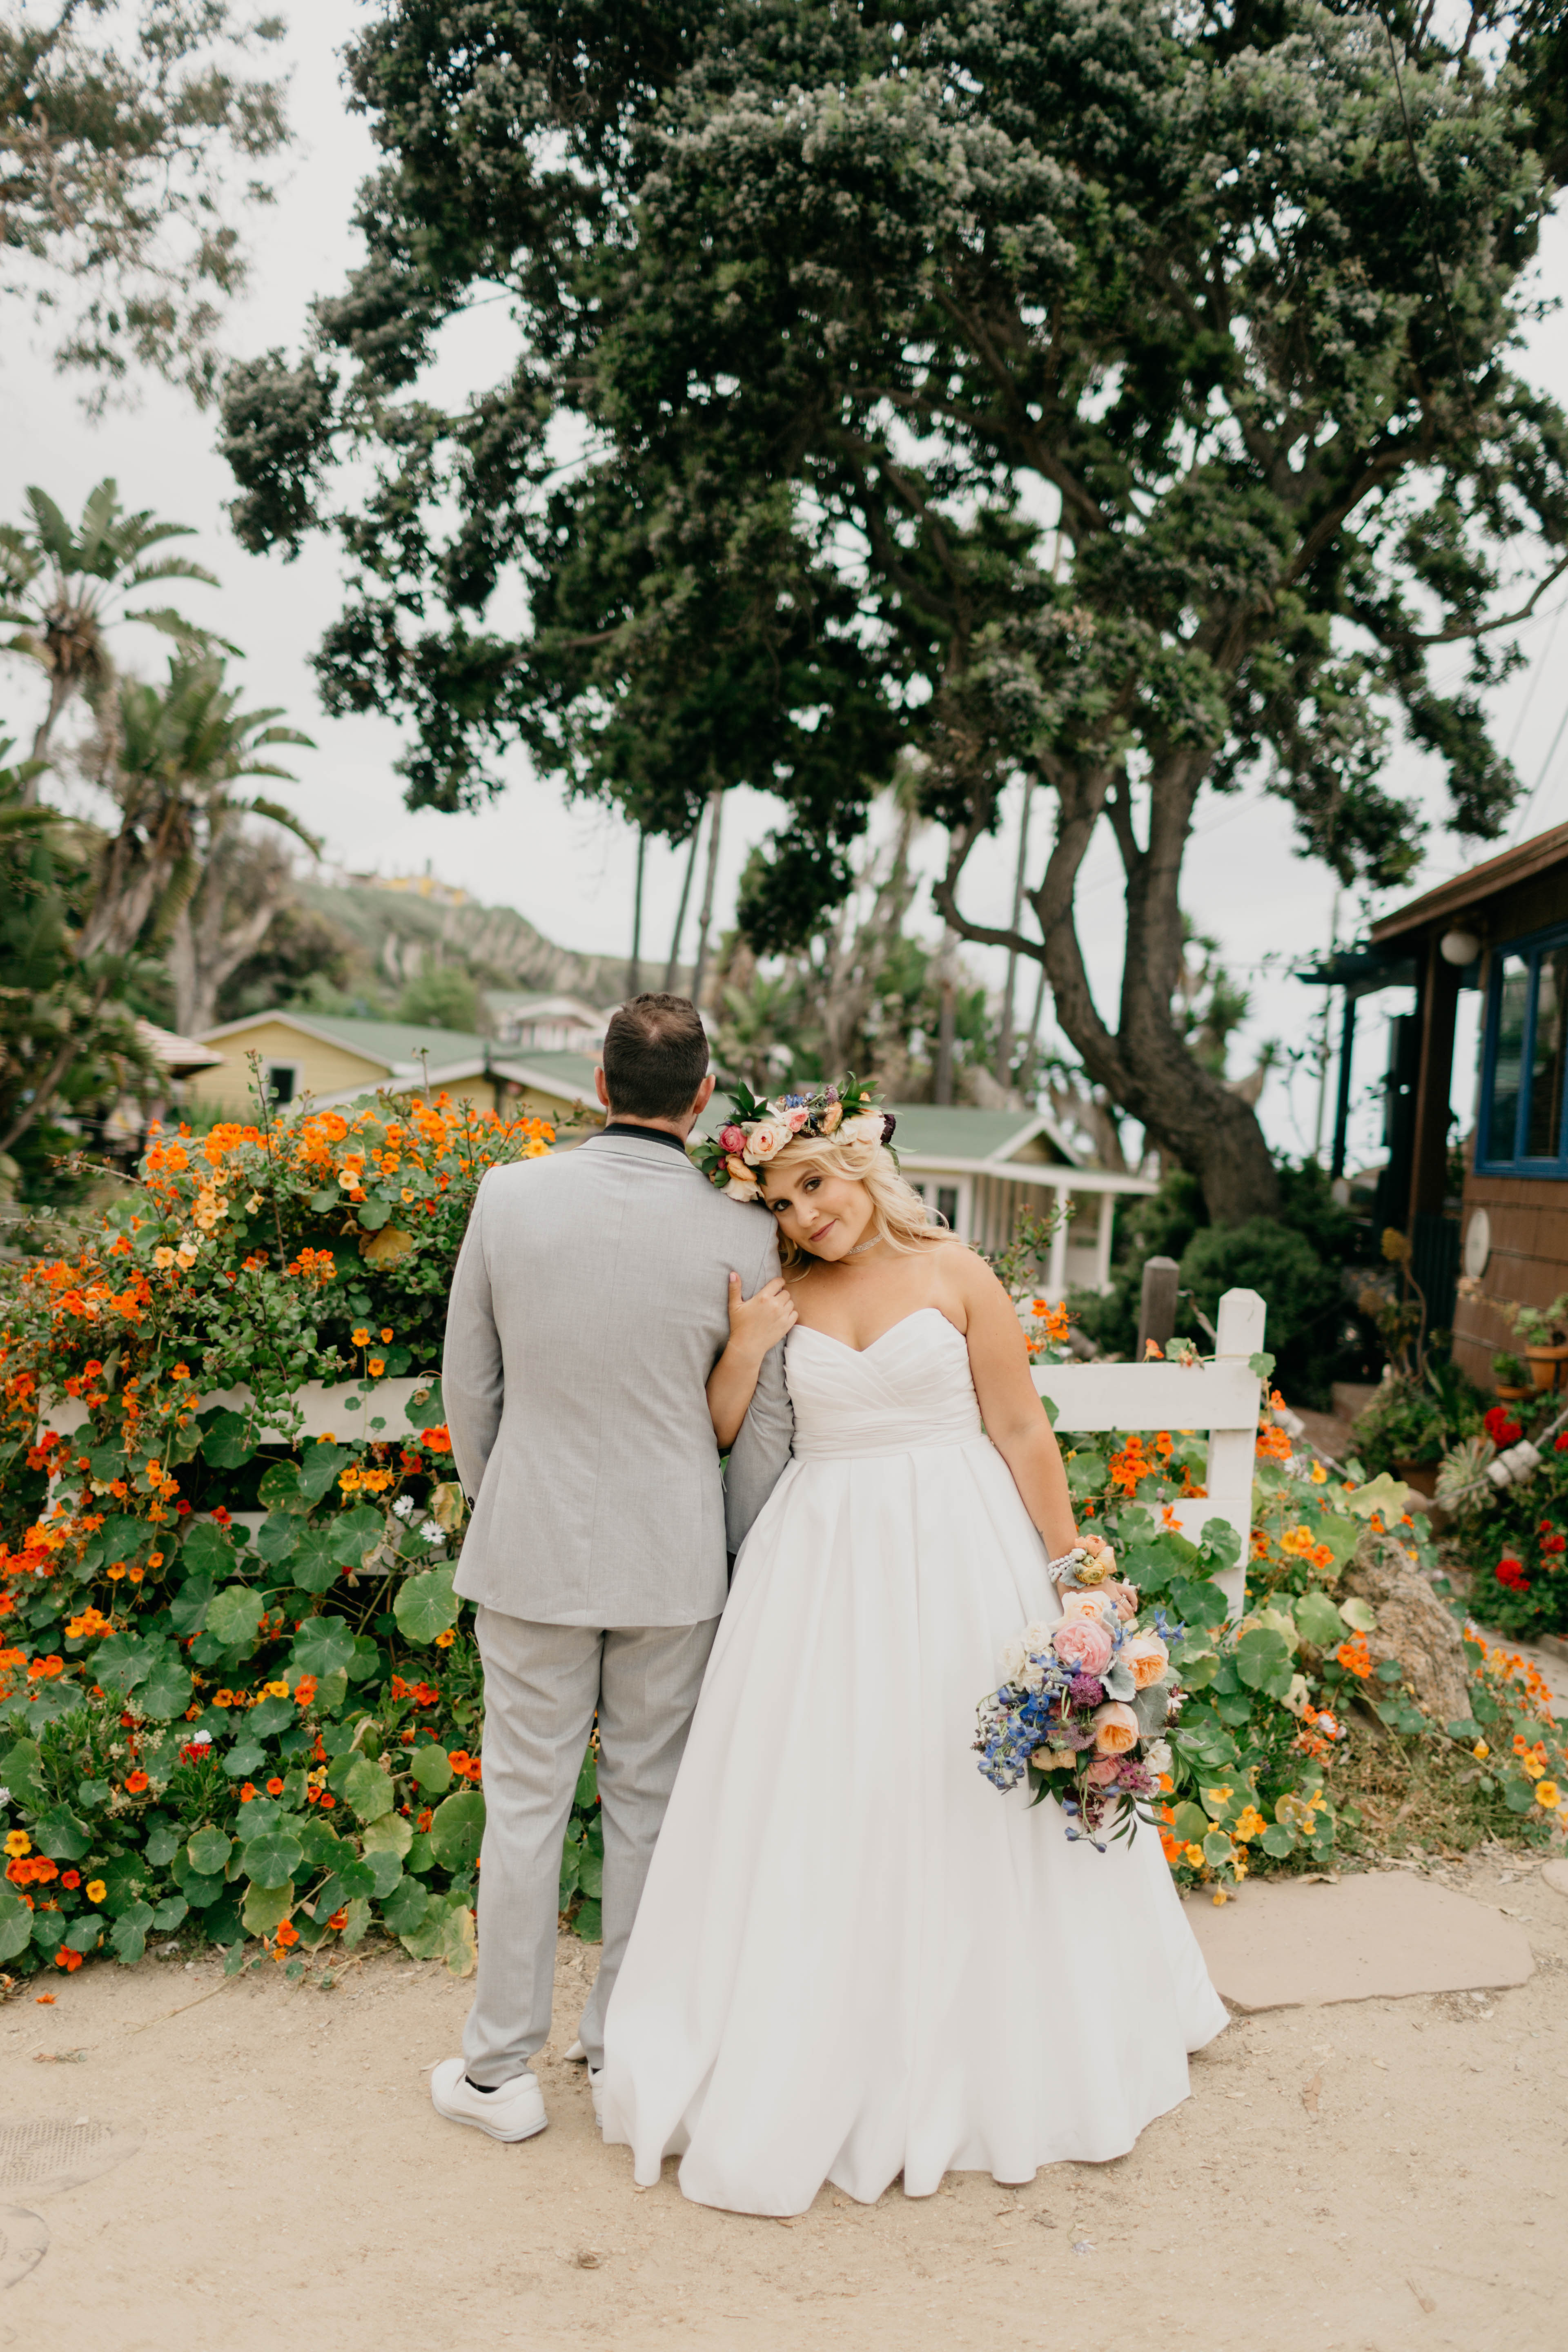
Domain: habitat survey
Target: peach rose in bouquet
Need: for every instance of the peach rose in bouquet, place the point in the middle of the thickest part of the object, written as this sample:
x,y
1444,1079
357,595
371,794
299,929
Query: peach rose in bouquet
x,y
1115,1728
1147,1656
1096,1605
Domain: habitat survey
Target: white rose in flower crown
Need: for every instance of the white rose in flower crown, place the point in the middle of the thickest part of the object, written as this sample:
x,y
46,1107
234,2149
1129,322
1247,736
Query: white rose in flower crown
x,y
767,1139
866,1127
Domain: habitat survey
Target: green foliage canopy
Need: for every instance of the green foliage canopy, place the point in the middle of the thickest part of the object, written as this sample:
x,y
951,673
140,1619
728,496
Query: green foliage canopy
x,y
1109,392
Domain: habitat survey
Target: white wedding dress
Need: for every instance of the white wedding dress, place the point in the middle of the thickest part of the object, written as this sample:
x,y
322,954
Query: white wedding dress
x,y
854,1956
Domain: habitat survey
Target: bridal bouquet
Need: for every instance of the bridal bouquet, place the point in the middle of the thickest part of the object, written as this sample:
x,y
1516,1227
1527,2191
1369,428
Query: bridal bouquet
x,y
1085,1703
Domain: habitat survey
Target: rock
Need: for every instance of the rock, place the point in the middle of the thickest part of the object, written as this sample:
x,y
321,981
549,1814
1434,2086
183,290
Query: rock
x,y
1555,1874
1413,1626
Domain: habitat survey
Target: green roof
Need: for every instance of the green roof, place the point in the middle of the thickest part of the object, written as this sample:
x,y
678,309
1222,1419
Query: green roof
x,y
573,1073
399,1044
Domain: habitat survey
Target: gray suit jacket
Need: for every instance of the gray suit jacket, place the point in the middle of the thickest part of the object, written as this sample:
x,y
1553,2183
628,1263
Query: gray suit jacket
x,y
589,1306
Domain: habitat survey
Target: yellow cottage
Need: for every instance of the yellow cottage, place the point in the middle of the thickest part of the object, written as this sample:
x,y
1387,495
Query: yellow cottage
x,y
333,1060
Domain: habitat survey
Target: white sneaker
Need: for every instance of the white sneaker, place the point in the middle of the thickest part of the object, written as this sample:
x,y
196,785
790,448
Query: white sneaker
x,y
596,2093
516,2111
576,2055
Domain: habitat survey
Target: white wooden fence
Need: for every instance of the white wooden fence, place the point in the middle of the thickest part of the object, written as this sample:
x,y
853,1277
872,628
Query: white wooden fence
x,y
1221,1397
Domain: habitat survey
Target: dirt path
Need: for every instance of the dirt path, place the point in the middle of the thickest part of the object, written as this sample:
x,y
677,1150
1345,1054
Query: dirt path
x,y
1361,2179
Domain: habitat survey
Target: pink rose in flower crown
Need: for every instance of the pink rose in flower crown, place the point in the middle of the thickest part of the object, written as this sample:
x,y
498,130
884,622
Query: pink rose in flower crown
x,y
1084,1645
797,1119
733,1138
1148,1657
1115,1728
767,1139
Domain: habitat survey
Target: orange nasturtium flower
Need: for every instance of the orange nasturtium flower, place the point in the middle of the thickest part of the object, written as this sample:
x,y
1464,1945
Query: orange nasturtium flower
x,y
136,1783
69,1960
360,1336
445,1640
95,1890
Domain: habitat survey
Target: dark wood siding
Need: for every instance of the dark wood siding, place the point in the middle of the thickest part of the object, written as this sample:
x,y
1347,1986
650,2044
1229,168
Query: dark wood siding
x,y
1528,1261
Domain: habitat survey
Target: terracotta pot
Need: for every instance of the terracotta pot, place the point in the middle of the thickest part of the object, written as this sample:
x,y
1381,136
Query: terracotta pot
x,y
1422,1476
1546,1365
1514,1396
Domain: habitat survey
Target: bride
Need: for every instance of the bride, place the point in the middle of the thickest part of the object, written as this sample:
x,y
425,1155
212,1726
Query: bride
x,y
854,1958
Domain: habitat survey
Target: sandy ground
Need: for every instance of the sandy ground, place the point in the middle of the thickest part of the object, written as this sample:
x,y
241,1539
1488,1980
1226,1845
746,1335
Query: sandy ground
x,y
1361,2179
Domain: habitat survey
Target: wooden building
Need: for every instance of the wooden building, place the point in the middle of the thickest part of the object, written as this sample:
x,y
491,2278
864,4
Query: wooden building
x,y
1501,928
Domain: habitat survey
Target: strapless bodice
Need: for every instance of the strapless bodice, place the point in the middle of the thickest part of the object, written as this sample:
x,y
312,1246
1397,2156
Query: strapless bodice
x,y
908,1390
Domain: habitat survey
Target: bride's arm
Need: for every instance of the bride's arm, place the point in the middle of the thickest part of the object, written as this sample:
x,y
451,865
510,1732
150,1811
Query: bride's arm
x,y
1010,1406
756,1324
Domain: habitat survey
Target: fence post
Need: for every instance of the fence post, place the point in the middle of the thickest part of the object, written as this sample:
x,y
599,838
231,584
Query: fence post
x,y
1157,1304
1232,1452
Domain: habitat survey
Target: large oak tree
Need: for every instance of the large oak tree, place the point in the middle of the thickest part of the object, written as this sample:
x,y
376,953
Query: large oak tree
x,y
1104,391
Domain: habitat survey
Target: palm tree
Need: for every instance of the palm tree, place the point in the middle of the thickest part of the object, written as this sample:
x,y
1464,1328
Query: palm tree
x,y
63,589
170,755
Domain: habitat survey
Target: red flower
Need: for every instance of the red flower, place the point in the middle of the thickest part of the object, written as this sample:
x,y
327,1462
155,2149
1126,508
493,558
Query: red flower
x,y
71,1878
1511,1572
1501,1427
136,1783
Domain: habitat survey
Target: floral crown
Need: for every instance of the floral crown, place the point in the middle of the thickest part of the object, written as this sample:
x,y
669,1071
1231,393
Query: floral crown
x,y
760,1129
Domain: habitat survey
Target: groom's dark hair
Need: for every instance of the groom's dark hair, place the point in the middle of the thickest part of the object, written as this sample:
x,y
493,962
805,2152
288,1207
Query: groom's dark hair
x,y
655,1056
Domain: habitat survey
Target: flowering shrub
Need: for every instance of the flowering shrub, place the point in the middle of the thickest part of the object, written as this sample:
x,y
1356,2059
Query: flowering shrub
x,y
234,1691
1515,1541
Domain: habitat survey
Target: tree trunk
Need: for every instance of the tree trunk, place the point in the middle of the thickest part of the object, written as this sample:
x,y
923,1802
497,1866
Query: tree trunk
x,y
244,882
1144,1064
705,916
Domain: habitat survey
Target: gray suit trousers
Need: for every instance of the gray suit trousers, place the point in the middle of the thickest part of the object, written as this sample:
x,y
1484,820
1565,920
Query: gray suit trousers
x,y
542,1687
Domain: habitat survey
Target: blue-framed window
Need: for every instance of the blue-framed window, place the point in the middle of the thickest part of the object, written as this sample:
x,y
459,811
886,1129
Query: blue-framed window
x,y
1523,1129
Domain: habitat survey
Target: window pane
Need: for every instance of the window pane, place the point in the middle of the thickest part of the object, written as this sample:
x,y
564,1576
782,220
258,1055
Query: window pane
x,y
1510,1055
1545,1130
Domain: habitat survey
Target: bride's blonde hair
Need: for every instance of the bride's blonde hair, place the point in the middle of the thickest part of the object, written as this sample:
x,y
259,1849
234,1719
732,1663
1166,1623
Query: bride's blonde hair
x,y
898,1213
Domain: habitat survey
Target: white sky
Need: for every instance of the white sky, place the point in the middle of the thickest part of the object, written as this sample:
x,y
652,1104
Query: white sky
x,y
570,869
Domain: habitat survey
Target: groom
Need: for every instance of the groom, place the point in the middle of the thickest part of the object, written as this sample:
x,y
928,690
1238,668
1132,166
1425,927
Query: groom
x,y
589,1306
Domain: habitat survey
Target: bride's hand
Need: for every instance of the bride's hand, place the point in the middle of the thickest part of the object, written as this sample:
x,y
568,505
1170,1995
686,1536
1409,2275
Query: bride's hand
x,y
759,1323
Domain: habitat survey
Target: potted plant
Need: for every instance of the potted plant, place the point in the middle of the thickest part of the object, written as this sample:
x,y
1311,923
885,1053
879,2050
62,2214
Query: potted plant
x,y
1511,1375
1545,1331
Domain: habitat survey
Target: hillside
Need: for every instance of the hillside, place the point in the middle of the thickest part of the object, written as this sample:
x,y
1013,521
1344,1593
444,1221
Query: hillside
x,y
358,945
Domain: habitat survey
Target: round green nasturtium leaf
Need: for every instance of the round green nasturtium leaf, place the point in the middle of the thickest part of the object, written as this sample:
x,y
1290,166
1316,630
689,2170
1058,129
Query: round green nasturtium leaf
x,y
234,1614
1278,1839
166,1692
432,1768
1216,1847
1318,1621
391,1833
385,1870
266,1907
16,1923
368,1788
455,1829
405,1907
425,1605
323,1645
272,1859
